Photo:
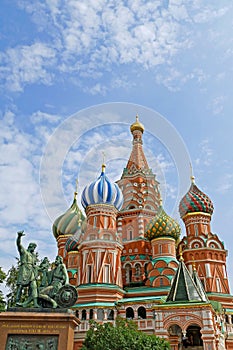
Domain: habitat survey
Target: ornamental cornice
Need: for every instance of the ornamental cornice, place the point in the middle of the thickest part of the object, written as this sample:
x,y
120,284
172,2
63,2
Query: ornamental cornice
x,y
100,243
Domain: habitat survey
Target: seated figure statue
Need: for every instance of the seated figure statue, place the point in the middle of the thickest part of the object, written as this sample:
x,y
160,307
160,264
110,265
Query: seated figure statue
x,y
58,288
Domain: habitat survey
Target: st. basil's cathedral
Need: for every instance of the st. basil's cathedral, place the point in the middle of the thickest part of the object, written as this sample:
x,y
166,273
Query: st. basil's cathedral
x,y
126,258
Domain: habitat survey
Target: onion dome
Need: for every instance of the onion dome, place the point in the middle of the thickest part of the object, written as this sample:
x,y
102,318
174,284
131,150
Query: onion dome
x,y
72,244
102,191
162,226
137,125
195,201
69,223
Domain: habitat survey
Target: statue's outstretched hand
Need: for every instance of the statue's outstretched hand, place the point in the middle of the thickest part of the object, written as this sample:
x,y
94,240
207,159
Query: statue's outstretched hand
x,y
21,233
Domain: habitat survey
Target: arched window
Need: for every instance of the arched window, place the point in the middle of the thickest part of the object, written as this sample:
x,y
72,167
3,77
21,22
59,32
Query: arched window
x,y
84,315
137,270
141,312
91,315
77,314
110,315
128,273
130,233
129,313
100,314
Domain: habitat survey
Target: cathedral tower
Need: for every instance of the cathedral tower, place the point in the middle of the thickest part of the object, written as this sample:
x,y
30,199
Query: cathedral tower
x,y
200,244
100,247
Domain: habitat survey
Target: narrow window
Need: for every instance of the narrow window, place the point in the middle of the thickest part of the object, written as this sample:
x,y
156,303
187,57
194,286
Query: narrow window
x,y
84,315
218,285
106,274
196,230
91,314
89,273
105,222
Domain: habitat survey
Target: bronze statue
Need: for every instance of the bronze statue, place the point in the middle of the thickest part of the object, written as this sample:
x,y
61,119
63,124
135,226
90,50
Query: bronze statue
x,y
57,278
52,289
27,274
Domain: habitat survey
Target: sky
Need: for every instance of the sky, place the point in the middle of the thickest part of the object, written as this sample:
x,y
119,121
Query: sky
x,y
73,76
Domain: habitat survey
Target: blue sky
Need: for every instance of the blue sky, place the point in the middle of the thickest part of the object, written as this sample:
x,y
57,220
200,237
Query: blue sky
x,y
72,79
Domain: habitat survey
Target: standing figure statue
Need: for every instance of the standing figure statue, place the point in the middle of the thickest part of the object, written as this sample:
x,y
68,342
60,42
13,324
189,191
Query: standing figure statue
x,y
27,274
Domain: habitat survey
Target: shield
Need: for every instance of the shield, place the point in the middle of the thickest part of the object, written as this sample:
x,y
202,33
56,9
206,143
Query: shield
x,y
66,296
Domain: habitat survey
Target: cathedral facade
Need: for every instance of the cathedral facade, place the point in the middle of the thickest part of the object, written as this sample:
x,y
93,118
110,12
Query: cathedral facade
x,y
126,258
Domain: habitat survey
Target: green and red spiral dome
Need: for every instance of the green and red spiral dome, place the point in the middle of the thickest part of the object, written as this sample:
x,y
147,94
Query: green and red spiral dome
x,y
195,201
162,226
72,244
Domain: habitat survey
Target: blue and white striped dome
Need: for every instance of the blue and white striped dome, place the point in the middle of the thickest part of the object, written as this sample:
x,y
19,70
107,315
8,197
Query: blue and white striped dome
x,y
102,191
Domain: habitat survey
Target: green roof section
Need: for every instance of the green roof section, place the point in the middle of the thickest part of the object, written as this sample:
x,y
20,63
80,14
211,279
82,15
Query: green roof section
x,y
199,284
100,285
90,305
183,288
167,259
145,290
139,299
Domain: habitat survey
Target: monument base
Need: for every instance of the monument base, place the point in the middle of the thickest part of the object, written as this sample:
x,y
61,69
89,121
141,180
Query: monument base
x,y
37,330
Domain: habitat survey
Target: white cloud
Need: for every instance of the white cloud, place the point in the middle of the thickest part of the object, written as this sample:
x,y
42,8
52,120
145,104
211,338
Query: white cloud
x,y
225,184
27,65
205,156
85,38
217,105
42,117
21,205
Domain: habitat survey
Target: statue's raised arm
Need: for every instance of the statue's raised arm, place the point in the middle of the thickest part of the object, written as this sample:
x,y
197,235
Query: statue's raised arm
x,y
18,241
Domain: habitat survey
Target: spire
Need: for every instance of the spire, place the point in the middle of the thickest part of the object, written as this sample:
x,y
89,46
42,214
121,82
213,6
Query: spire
x,y
192,177
184,288
137,160
103,163
76,190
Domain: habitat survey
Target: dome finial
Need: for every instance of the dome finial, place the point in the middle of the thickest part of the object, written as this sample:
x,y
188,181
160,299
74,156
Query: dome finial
x,y
194,265
137,125
181,254
191,172
103,163
76,189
